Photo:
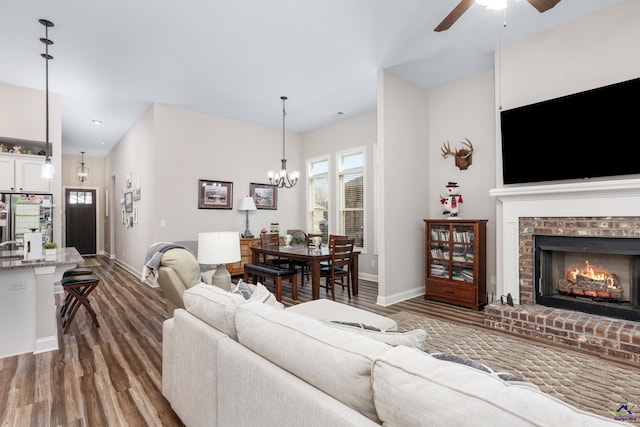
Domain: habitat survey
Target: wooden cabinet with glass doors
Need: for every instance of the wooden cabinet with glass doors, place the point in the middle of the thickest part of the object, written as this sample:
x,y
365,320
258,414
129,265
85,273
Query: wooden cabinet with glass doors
x,y
455,261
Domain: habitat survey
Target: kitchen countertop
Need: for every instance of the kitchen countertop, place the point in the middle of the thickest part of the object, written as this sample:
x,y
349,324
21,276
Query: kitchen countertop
x,y
13,259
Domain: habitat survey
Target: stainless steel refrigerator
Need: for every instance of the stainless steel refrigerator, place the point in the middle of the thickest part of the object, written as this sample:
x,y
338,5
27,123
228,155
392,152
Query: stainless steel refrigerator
x,y
24,212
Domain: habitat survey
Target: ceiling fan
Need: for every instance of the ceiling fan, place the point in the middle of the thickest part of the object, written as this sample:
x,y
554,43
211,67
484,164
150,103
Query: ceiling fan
x,y
540,5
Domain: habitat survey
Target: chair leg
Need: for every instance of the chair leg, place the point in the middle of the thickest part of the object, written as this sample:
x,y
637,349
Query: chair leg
x,y
294,286
79,294
278,281
333,287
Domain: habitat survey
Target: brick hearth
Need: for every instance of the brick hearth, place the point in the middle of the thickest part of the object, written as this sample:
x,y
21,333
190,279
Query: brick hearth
x,y
596,334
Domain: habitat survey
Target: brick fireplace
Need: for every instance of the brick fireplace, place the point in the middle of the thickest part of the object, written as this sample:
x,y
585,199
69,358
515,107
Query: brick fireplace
x,y
609,209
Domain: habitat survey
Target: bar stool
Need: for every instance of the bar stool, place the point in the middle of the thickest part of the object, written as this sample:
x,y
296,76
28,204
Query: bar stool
x,y
78,271
77,289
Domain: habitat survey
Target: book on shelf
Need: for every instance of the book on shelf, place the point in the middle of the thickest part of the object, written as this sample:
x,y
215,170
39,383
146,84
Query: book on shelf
x,y
439,234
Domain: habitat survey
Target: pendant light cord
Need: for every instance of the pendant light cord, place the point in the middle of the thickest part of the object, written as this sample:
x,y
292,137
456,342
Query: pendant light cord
x,y
47,57
284,114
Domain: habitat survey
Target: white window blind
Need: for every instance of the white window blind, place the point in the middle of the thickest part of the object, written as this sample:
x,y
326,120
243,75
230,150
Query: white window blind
x,y
318,182
351,188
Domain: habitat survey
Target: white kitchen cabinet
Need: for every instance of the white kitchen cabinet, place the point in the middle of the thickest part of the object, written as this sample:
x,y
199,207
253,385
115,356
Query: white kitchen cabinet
x,y
21,174
7,180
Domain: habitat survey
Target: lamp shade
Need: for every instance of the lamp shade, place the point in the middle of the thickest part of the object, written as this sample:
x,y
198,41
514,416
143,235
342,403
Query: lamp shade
x,y
218,247
247,204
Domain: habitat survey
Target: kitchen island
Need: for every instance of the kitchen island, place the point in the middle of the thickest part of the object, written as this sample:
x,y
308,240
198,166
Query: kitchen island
x,y
28,322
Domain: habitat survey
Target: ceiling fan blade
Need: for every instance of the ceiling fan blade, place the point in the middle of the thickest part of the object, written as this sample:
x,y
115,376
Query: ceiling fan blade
x,y
455,14
543,5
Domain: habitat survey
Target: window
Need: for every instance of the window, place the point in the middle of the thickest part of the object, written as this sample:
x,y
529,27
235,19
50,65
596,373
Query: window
x,y
351,195
318,181
80,198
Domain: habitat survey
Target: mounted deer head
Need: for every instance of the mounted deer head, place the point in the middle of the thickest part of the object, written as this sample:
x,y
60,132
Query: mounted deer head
x,y
463,155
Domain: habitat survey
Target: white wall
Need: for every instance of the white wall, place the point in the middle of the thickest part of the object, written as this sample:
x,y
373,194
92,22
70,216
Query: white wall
x,y
170,149
593,51
458,111
134,154
359,131
403,189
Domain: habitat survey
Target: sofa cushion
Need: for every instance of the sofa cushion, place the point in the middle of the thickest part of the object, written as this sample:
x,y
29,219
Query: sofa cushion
x,y
335,361
331,310
414,338
217,307
413,388
214,306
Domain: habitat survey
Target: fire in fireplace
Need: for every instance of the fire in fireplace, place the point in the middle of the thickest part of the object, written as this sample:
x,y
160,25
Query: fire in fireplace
x,y
592,282
597,275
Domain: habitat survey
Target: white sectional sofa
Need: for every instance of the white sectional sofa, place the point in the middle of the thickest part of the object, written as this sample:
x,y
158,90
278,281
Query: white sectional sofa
x,y
228,361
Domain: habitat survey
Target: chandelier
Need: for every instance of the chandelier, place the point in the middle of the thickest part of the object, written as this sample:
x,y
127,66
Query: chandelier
x,y
82,172
48,170
282,179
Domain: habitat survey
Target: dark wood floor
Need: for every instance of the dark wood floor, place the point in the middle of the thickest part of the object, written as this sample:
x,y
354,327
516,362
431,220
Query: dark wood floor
x,y
112,375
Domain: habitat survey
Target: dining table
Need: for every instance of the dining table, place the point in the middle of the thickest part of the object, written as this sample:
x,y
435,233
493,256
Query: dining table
x,y
314,256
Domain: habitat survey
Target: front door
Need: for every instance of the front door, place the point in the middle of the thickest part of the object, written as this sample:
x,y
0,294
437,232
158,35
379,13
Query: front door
x,y
81,220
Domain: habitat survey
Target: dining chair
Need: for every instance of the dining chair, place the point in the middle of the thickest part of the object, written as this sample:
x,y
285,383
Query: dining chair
x,y
332,237
272,241
300,237
341,252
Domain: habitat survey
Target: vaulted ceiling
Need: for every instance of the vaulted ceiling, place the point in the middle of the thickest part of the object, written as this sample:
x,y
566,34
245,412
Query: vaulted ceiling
x,y
235,59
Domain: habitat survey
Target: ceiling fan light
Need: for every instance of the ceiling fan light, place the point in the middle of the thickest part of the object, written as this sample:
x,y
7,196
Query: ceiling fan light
x,y
493,4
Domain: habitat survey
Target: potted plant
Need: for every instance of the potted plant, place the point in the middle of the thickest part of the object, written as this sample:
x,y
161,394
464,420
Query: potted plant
x,y
49,248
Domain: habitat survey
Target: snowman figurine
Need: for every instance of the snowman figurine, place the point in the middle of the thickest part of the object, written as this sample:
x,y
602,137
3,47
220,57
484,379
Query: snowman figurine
x,y
451,202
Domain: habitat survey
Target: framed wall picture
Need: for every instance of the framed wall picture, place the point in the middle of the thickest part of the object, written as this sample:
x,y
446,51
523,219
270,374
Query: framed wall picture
x,y
128,201
265,195
215,194
135,214
136,190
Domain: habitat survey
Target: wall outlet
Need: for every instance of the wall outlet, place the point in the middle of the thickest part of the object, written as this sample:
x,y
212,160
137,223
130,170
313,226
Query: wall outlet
x,y
493,280
17,286
373,263
163,223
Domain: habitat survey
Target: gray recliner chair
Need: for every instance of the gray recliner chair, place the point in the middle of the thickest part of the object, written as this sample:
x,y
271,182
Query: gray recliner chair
x,y
179,270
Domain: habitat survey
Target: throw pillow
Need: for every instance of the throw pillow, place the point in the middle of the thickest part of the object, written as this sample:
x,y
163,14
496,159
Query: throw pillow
x,y
265,296
503,375
413,338
243,289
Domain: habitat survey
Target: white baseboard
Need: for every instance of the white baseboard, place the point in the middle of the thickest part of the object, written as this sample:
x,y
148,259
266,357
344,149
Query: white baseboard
x,y
129,268
369,277
399,297
46,344
149,281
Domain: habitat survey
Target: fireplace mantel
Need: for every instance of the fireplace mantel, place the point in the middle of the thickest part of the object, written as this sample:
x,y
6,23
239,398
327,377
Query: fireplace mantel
x,y
582,199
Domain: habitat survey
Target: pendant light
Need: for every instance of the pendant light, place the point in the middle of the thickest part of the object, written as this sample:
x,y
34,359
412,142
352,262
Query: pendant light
x,y
282,179
82,172
48,170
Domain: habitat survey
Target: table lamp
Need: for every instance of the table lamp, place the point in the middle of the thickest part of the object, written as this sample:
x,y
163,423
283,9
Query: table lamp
x,y
219,248
247,204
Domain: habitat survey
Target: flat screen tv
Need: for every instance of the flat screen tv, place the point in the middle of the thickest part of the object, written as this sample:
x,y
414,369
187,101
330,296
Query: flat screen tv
x,y
590,134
